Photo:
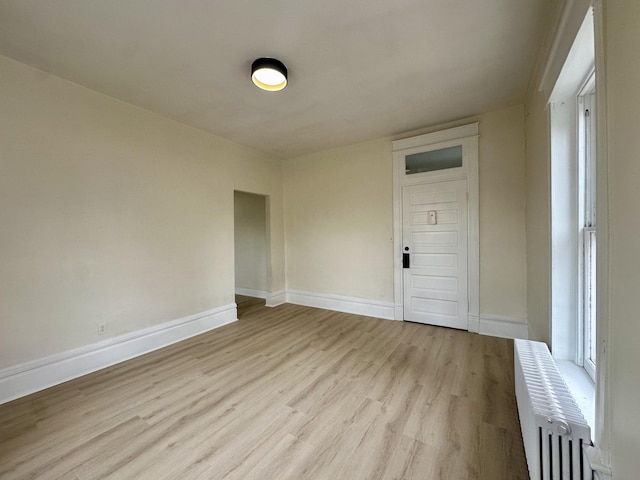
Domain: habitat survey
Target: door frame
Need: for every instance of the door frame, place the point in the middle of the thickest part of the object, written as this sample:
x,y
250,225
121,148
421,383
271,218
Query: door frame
x,y
467,137
267,295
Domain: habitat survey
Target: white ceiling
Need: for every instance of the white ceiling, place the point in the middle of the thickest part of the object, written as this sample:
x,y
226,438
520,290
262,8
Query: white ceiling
x,y
358,70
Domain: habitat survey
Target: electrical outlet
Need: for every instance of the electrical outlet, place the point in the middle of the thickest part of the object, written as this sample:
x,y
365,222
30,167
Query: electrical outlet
x,y
102,328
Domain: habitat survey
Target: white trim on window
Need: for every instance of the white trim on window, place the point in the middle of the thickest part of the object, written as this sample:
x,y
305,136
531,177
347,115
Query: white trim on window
x,y
586,120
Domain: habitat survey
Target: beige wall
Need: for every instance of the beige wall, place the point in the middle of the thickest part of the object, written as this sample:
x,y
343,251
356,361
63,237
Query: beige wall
x,y
339,218
503,283
250,234
538,179
622,44
111,214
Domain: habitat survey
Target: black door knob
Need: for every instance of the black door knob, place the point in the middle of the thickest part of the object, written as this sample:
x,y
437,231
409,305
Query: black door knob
x,y
406,249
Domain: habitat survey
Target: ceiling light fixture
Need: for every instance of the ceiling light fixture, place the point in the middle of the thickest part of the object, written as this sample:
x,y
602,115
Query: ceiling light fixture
x,y
269,74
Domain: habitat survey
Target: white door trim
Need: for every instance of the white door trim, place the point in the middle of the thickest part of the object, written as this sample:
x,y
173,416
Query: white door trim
x,y
467,137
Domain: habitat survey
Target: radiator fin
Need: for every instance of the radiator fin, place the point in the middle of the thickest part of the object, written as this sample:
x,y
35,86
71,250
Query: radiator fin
x,y
553,427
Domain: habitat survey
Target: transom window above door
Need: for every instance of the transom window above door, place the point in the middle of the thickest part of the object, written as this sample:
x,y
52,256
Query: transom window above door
x,y
432,160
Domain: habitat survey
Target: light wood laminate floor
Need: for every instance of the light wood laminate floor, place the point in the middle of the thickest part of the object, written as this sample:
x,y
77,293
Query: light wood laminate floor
x,y
285,393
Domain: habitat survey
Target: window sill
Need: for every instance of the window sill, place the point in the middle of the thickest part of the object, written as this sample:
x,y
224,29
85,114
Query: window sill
x,y
581,387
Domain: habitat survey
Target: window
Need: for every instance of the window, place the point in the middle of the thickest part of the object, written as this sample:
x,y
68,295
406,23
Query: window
x,y
572,117
573,205
432,160
587,223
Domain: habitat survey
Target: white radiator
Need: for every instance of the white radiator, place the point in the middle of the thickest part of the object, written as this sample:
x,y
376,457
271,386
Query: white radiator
x,y
553,427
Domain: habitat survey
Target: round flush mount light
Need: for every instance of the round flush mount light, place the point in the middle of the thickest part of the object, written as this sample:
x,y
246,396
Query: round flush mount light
x,y
269,74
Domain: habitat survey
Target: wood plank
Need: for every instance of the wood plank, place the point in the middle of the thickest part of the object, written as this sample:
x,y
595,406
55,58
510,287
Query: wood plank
x,y
285,393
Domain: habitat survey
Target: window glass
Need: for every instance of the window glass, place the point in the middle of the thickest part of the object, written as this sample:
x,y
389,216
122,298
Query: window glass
x,y
587,190
433,160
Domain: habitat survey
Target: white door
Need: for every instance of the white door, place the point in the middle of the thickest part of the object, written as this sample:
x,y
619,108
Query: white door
x,y
434,236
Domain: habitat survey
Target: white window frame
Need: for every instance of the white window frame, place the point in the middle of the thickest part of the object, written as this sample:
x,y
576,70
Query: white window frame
x,y
587,223
568,29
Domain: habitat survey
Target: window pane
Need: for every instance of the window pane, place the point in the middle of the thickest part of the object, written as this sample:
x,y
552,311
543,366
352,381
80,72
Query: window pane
x,y
590,294
434,160
587,192
589,167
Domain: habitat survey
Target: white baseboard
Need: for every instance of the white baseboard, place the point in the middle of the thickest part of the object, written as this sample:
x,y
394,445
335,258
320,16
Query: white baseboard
x,y
501,326
358,306
532,334
600,470
276,298
601,476
474,323
30,377
399,312
251,293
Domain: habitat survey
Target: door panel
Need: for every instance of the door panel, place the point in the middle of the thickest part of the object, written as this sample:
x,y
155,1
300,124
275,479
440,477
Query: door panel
x,y
426,239
444,217
435,284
